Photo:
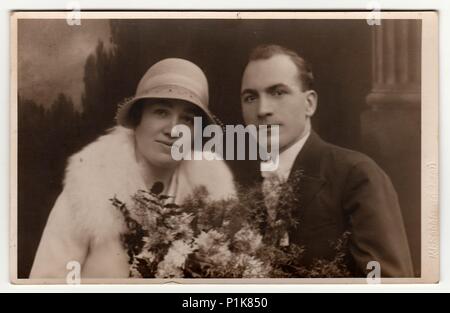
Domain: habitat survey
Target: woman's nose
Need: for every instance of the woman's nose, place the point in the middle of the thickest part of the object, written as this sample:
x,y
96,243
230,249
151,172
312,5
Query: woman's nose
x,y
171,123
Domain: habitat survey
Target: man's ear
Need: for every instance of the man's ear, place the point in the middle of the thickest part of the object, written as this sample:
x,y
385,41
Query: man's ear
x,y
311,102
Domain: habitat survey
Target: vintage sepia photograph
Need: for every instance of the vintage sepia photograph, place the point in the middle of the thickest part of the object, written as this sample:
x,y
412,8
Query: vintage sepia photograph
x,y
224,147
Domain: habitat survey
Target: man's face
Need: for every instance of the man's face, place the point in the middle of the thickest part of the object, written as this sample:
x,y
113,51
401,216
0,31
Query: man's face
x,y
271,94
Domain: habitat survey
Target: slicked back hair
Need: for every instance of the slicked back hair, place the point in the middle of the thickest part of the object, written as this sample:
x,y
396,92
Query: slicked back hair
x,y
264,52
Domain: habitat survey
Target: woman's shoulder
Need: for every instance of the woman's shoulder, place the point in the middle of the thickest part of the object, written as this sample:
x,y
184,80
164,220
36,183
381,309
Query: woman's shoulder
x,y
102,170
106,148
103,158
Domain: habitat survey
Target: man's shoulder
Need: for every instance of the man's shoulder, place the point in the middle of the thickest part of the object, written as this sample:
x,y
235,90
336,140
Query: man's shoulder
x,y
345,166
346,155
349,159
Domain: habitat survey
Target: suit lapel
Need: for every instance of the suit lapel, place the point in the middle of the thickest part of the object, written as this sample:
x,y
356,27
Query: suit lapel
x,y
305,176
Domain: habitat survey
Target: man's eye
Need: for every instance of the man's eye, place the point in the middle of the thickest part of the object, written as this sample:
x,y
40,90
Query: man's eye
x,y
249,99
279,92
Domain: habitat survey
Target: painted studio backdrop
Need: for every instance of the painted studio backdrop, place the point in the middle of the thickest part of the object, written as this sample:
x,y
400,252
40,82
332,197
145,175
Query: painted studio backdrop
x,y
71,78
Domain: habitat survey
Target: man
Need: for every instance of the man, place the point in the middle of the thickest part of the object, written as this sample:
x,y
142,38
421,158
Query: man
x,y
339,190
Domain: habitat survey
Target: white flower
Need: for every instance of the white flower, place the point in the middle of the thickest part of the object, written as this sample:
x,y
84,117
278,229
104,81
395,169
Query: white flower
x,y
166,270
180,225
253,268
214,247
173,263
221,256
209,241
247,240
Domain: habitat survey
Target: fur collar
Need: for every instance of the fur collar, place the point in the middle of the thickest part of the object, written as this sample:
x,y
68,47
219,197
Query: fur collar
x,y
108,168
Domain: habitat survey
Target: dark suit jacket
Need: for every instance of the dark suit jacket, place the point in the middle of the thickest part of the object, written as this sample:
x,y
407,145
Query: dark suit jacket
x,y
342,190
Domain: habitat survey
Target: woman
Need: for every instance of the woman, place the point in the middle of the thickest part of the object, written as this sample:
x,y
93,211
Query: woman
x,y
84,226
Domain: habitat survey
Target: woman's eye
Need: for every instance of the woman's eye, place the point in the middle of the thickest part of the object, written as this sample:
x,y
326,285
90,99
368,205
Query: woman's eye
x,y
188,120
161,112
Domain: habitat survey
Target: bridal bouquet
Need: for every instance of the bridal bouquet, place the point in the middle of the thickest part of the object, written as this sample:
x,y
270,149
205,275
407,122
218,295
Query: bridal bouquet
x,y
232,238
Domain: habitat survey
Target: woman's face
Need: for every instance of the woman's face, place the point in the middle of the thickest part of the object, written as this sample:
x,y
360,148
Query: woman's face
x,y
153,133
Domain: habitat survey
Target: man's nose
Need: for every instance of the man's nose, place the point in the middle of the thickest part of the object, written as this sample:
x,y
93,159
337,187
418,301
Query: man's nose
x,y
265,108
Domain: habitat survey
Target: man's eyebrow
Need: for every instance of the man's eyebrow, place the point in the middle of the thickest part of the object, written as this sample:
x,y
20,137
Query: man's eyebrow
x,y
252,91
274,87
270,88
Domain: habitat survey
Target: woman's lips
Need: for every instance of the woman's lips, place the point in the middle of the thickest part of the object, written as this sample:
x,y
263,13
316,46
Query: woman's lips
x,y
164,144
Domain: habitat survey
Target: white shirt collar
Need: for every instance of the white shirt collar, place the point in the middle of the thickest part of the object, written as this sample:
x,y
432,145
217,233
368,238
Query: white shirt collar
x,y
287,159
